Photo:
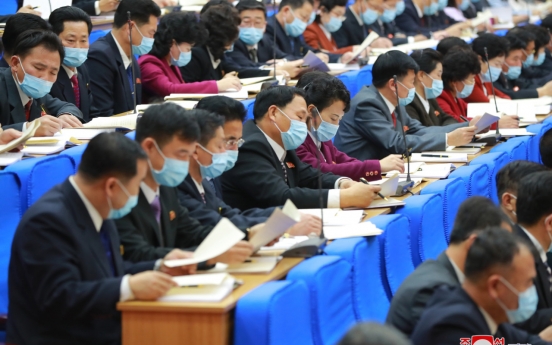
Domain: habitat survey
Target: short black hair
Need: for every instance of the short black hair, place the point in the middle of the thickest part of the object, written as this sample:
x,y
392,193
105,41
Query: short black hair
x,y
475,214
496,46
19,23
140,12
427,59
534,198
212,3
231,109
547,22
515,42
492,248
294,3
222,22
279,96
34,38
244,5
447,43
163,121
330,4
371,333
458,64
545,148
392,63
111,154
542,36
509,177
180,27
208,124
68,14
525,35
323,90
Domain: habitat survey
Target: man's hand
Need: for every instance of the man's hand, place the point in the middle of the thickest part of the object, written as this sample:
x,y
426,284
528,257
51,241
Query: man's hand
x,y
150,285
439,35
177,254
292,67
69,121
29,9
392,162
230,81
347,57
358,195
475,120
382,42
9,135
308,224
49,125
346,183
545,90
461,136
419,38
508,121
324,57
108,5
235,255
546,334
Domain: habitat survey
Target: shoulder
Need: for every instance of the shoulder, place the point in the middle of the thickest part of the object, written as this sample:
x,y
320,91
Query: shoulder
x,y
169,195
100,47
149,59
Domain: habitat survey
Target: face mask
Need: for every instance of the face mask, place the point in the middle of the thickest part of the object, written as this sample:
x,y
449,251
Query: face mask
x,y
251,36
32,86
529,61
399,7
333,25
296,28
539,60
513,72
369,16
183,59
466,92
464,5
443,3
435,90
475,1
527,303
326,131
388,16
217,167
431,9
495,73
74,57
296,134
172,174
123,211
232,157
312,18
144,47
434,7
408,99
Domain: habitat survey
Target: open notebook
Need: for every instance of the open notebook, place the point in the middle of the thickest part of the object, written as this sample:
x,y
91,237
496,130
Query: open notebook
x,y
201,288
423,170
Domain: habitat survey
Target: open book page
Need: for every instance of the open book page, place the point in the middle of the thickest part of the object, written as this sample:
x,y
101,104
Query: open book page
x,y
124,122
28,133
357,230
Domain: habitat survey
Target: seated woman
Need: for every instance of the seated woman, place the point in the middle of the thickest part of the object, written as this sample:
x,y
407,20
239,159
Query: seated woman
x,y
328,100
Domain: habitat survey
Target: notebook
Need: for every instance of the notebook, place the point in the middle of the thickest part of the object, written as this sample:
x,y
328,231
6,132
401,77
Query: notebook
x,y
127,122
202,293
28,133
262,265
276,225
423,170
357,230
8,158
337,216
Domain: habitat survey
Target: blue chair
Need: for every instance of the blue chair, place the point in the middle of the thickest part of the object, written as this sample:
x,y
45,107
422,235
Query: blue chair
x,y
280,311
328,279
501,32
516,148
249,104
350,81
131,135
395,249
364,77
453,192
494,162
370,288
475,177
75,153
8,7
427,234
10,213
94,35
533,152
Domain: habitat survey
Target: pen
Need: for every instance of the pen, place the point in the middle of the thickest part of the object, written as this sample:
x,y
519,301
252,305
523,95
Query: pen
x,y
435,156
34,8
43,110
363,180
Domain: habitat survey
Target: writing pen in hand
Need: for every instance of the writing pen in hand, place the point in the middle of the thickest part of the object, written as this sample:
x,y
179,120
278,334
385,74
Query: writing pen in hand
x,y
363,180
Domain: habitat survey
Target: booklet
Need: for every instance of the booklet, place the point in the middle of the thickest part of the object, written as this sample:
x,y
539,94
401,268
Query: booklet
x,y
28,133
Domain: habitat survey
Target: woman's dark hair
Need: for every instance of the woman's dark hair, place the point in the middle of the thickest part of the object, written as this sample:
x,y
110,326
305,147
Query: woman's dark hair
x,y
180,27
427,59
322,90
329,5
222,22
542,36
448,43
496,46
458,64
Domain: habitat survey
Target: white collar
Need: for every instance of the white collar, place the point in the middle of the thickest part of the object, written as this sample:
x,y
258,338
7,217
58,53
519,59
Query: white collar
x,y
199,186
389,104
97,219
22,95
326,32
537,244
70,73
424,101
278,150
126,59
459,274
493,327
420,12
359,20
148,192
213,62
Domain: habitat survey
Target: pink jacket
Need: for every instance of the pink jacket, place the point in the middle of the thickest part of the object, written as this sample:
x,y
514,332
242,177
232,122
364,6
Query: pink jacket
x,y
160,80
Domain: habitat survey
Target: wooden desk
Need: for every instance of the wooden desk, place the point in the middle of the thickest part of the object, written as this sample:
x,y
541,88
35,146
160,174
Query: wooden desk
x,y
166,323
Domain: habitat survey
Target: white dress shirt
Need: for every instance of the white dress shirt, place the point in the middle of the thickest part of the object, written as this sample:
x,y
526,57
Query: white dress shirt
x,y
214,63
126,59
70,72
489,320
418,10
149,193
199,186
326,32
537,245
424,101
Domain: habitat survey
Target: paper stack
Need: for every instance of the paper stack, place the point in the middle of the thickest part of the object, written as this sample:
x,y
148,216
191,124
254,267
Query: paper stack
x,y
357,230
262,265
8,158
26,135
242,94
200,288
423,170
439,157
126,122
276,225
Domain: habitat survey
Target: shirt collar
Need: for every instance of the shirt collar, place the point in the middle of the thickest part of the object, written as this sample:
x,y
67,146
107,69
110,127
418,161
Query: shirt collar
x,y
316,141
419,10
70,73
126,59
359,20
148,192
424,101
97,219
389,104
278,150
326,32
493,327
199,186
537,244
255,46
22,95
213,62
459,274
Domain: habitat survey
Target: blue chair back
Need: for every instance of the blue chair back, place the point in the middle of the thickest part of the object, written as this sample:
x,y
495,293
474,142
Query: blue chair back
x,y
364,77
249,104
75,153
475,177
350,81
533,151
94,35
427,234
131,135
281,314
328,279
8,7
515,148
370,288
494,162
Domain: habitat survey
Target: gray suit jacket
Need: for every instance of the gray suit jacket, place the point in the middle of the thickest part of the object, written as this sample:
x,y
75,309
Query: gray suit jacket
x,y
367,131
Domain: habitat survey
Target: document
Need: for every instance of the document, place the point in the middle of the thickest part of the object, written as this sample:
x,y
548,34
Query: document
x,y
275,226
462,149
389,187
513,132
365,44
382,203
249,81
202,293
201,279
482,17
262,265
47,6
439,157
486,121
337,216
127,122
28,133
184,104
46,149
357,230
242,94
284,244
417,181
85,134
343,66
422,170
479,109
8,158
223,237
315,63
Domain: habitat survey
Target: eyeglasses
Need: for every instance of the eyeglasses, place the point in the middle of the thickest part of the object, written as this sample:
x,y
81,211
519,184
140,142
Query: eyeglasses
x,y
234,142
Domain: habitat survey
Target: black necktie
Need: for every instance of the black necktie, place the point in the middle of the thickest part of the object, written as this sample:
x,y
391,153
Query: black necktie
x,y
106,242
253,55
549,274
129,74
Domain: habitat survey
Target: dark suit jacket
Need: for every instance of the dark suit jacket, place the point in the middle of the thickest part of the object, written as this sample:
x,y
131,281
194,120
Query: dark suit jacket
x,y
367,131
12,111
350,33
257,179
265,52
513,90
451,314
412,25
86,5
388,30
61,287
141,237
63,90
212,211
110,84
435,117
3,63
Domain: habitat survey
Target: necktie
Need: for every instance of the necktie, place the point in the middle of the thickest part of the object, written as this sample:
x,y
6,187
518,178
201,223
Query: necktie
x,y
76,90
104,236
28,110
394,119
549,275
203,198
253,55
129,74
285,171
156,208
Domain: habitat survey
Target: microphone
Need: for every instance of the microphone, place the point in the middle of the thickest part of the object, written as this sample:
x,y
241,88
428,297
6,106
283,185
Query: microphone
x,y
405,186
492,139
129,21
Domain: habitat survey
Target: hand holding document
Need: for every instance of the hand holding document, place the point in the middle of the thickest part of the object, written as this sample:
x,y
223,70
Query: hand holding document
x,y
365,44
125,122
28,133
486,121
276,225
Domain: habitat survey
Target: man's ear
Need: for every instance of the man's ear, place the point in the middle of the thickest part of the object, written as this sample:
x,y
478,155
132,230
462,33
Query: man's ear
x,y
271,113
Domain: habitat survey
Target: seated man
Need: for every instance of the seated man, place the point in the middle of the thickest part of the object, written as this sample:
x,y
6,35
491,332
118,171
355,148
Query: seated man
x,y
545,149
15,25
268,171
109,58
66,274
370,129
25,85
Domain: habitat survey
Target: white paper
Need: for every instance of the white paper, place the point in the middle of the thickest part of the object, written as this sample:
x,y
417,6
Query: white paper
x,y
343,66
408,47
284,244
200,279
291,211
249,81
365,44
223,237
486,121
467,150
276,225
389,187
47,149
512,132
390,202
125,122
422,170
417,181
479,109
356,230
28,133
85,134
545,100
242,94
253,265
447,157
47,6
207,293
482,17
337,216
8,158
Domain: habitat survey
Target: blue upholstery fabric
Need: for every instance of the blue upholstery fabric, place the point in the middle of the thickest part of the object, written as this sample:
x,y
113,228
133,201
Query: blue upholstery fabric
x,y
453,192
8,7
475,178
370,289
94,35
427,234
364,77
516,148
494,162
249,104
131,135
10,214
350,81
274,313
533,153
75,153
329,282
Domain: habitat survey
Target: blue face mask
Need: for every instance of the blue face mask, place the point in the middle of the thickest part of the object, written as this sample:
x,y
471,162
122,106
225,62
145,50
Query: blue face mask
x,y
369,16
326,131
74,57
144,47
296,28
466,91
123,211
527,303
539,60
217,166
296,134
172,174
232,157
32,86
495,73
529,61
333,25
443,3
183,59
464,5
388,16
513,72
435,90
431,9
399,7
475,1
251,36
408,99
312,18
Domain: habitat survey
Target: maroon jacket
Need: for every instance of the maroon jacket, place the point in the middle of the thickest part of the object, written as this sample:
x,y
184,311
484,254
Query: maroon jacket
x,y
338,162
